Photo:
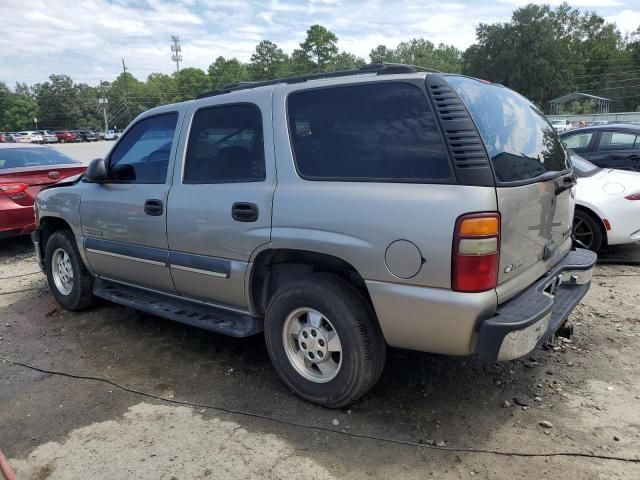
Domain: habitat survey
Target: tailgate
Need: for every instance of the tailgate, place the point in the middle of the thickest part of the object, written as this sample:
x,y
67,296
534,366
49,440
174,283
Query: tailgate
x,y
536,230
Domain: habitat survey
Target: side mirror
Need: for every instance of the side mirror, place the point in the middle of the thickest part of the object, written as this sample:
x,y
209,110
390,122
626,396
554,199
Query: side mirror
x,y
96,171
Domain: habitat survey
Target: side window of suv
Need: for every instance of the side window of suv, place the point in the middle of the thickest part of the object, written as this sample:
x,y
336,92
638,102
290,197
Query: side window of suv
x,y
142,156
225,145
383,131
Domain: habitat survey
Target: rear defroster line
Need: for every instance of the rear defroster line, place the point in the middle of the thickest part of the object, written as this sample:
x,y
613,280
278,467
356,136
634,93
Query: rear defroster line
x,y
324,429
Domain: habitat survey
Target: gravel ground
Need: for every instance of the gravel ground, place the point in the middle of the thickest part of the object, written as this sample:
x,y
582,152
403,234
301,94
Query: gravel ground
x,y
60,427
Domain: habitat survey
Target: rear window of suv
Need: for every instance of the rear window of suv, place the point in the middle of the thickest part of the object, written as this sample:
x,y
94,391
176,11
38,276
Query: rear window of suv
x,y
383,131
520,141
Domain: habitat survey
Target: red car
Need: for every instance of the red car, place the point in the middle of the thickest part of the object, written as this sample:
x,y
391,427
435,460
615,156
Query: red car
x,y
65,136
24,171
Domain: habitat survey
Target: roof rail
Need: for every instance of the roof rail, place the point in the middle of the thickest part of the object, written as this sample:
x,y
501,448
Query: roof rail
x,y
379,68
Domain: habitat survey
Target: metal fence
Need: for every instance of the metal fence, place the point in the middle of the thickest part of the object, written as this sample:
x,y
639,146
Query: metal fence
x,y
625,117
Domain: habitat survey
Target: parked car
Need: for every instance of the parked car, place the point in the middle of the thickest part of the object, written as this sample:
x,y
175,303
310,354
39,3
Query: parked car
x,y
607,205
11,137
49,137
109,135
395,221
24,171
561,125
29,136
88,135
6,138
607,146
66,136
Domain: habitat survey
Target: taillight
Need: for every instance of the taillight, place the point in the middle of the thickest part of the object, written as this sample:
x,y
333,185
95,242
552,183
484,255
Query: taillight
x,y
13,188
633,196
476,246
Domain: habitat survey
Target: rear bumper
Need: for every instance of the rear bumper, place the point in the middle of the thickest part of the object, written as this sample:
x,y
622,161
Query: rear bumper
x,y
532,317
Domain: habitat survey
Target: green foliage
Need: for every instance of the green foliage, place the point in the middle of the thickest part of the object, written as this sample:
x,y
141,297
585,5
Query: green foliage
x,y
542,52
421,53
320,47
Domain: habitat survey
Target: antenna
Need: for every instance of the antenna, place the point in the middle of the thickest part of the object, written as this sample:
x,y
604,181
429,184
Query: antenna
x,y
175,48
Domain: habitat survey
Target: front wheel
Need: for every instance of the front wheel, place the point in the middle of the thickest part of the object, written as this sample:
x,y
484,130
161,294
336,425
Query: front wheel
x,y
68,278
324,340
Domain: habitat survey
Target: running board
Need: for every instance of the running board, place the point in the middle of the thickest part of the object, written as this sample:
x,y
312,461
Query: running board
x,y
183,311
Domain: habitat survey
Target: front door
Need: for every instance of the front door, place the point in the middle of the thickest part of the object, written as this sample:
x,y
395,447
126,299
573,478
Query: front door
x,y
124,219
220,202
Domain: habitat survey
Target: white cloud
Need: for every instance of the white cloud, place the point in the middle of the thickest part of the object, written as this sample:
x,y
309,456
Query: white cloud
x,y
87,41
628,21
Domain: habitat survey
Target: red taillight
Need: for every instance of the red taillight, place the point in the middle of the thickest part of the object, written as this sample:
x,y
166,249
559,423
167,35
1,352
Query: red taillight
x,y
476,246
633,196
13,188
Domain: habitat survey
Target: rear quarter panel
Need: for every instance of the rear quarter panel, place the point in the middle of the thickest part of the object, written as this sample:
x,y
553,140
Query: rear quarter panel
x,y
357,221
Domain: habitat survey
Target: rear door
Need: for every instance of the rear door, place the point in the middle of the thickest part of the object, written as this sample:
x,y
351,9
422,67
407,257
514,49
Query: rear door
x,y
534,181
220,202
124,219
618,149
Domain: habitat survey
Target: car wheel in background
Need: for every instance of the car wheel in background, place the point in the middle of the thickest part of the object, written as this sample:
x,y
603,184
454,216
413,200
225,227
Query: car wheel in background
x,y
587,231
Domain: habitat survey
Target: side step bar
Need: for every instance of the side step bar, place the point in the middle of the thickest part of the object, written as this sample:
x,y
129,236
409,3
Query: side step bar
x,y
183,311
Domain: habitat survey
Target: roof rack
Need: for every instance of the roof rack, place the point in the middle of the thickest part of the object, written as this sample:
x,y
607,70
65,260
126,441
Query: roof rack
x,y
379,68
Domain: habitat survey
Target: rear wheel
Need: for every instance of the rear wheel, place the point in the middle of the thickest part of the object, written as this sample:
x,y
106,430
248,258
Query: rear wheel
x,y
587,232
324,340
68,278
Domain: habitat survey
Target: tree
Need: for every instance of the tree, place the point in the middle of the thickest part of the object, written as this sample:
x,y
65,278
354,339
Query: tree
x,y
190,82
225,72
320,47
20,113
422,53
268,61
544,52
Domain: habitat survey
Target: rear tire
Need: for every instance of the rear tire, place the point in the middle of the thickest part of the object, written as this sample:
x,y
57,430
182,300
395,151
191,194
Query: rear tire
x,y
587,231
68,278
338,353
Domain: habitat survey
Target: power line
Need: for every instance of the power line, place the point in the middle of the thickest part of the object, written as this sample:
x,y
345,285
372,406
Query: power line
x,y
126,87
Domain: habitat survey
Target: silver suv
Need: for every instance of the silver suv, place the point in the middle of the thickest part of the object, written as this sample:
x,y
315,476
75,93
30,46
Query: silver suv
x,y
339,214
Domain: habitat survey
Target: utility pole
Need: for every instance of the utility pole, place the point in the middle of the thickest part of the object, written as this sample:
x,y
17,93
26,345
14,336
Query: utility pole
x,y
175,48
126,90
103,101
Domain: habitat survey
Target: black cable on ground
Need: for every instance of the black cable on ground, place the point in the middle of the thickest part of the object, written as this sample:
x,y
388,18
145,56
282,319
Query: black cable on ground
x,y
324,429
20,275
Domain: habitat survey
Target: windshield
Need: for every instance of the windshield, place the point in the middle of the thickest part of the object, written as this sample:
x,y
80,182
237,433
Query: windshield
x,y
582,166
32,157
520,141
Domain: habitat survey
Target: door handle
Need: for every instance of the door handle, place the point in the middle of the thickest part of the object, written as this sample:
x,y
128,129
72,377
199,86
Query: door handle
x,y
153,207
244,212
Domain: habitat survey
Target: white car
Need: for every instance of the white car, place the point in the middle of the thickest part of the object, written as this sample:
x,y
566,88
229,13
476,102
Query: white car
x,y
29,136
607,205
561,125
110,135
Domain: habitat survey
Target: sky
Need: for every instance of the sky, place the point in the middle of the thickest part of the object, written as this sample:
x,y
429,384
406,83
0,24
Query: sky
x,y
87,40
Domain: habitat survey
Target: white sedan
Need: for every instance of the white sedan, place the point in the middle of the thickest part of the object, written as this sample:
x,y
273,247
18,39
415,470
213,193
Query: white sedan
x,y
607,205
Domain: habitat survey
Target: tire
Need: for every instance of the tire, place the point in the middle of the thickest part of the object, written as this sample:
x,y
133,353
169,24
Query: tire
x,y
344,311
80,294
587,231
62,140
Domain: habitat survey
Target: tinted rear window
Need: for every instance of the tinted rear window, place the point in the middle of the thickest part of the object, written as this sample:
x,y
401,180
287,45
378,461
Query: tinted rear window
x,y
371,132
32,157
520,141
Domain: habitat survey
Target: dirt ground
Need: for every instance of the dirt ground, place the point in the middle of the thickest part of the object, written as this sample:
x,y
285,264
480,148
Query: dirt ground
x,y
59,427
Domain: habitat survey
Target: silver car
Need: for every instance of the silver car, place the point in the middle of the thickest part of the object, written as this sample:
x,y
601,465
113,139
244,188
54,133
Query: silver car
x,y
336,214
